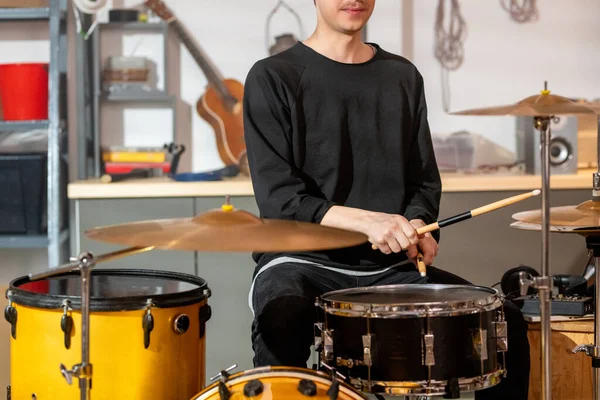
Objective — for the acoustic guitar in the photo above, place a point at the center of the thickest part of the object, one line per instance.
(221, 104)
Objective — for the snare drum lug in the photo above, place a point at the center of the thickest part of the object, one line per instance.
(480, 344)
(204, 315)
(318, 332)
(10, 314)
(328, 345)
(501, 335)
(368, 347)
(429, 354)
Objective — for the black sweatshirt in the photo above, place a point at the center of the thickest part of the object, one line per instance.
(321, 133)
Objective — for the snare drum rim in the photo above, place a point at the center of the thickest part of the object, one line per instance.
(128, 303)
(423, 309)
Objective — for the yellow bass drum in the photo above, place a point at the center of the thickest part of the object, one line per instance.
(273, 383)
(147, 335)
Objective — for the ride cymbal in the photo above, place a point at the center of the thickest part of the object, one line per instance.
(584, 215)
(528, 226)
(541, 105)
(229, 230)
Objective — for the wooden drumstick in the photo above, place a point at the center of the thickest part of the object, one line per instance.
(475, 212)
(421, 265)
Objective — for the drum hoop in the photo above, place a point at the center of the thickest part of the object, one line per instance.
(423, 309)
(425, 388)
(126, 303)
(277, 371)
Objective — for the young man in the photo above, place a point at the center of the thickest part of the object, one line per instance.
(337, 134)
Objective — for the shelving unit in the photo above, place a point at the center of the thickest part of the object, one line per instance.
(56, 239)
(89, 147)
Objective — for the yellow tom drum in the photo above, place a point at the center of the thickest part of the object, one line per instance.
(147, 335)
(273, 383)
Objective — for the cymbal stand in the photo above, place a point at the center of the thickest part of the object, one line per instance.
(543, 283)
(84, 263)
(593, 244)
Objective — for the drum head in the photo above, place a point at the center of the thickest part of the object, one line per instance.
(112, 290)
(412, 299)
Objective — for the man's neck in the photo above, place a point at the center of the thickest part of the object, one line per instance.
(340, 47)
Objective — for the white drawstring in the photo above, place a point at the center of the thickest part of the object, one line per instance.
(92, 7)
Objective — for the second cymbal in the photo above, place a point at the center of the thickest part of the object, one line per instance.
(227, 230)
(543, 104)
(586, 214)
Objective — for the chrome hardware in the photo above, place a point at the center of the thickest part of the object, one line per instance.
(480, 344)
(328, 344)
(367, 353)
(501, 335)
(429, 356)
(331, 369)
(148, 323)
(223, 374)
(318, 332)
(589, 350)
(539, 282)
(78, 372)
(181, 323)
(348, 363)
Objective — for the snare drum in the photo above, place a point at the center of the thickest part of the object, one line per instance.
(415, 339)
(131, 359)
(287, 383)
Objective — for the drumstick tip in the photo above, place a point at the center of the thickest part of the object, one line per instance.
(536, 192)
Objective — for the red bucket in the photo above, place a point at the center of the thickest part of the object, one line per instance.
(24, 91)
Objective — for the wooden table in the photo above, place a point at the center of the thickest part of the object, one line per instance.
(571, 373)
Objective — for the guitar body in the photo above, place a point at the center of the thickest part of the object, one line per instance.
(221, 105)
(227, 124)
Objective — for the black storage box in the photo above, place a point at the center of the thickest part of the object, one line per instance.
(23, 194)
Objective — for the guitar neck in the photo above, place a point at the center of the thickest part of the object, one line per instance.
(212, 73)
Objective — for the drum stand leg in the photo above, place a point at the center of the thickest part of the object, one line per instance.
(543, 283)
(85, 263)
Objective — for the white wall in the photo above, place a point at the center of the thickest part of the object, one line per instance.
(504, 61)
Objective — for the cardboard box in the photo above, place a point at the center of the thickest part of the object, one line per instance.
(24, 3)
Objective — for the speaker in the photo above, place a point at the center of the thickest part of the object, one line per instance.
(563, 144)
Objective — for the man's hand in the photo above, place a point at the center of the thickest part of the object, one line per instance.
(426, 245)
(390, 233)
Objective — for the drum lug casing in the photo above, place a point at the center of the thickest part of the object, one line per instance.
(429, 356)
(10, 314)
(323, 341)
(148, 323)
(479, 340)
(501, 335)
(204, 315)
(368, 347)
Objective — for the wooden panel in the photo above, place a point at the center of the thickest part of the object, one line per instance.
(571, 373)
(107, 212)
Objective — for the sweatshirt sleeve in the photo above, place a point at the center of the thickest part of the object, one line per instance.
(424, 186)
(281, 190)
